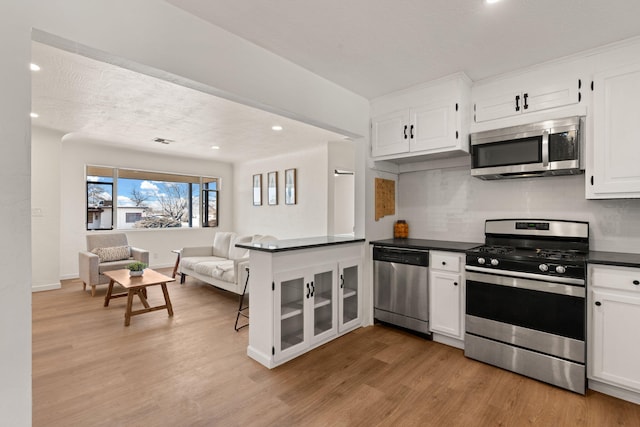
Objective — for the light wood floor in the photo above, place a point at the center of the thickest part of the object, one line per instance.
(192, 370)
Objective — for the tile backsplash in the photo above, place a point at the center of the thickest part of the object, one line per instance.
(448, 204)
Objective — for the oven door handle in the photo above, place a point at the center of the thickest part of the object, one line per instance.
(522, 283)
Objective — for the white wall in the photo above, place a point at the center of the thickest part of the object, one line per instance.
(307, 218)
(340, 203)
(79, 151)
(15, 224)
(45, 208)
(449, 204)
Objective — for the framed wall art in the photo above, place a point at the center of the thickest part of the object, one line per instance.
(290, 187)
(257, 189)
(272, 188)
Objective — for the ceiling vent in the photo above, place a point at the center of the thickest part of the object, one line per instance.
(163, 140)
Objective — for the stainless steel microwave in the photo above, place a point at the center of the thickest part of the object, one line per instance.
(552, 147)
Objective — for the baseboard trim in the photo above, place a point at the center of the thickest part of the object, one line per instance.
(614, 391)
(443, 339)
(41, 288)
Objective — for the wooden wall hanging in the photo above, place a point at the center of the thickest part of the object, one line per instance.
(385, 198)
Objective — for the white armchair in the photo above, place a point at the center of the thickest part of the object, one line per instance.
(106, 252)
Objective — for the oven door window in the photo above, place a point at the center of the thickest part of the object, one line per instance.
(563, 146)
(542, 311)
(505, 153)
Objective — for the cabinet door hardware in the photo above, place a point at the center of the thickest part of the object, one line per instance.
(526, 104)
(591, 179)
(308, 291)
(456, 134)
(592, 85)
(411, 132)
(456, 106)
(517, 102)
(579, 84)
(598, 303)
(455, 283)
(579, 96)
(405, 131)
(273, 286)
(341, 281)
(636, 282)
(313, 289)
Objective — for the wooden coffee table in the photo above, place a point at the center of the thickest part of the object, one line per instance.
(138, 286)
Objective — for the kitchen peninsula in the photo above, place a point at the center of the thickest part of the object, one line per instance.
(303, 293)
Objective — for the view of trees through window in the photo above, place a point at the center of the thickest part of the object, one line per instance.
(149, 199)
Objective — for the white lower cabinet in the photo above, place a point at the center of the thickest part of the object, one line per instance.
(446, 296)
(614, 336)
(349, 294)
(295, 309)
(304, 308)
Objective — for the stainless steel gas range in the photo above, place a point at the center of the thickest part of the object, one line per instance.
(525, 299)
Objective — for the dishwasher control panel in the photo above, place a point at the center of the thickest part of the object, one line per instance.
(401, 256)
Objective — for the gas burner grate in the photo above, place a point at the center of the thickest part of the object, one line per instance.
(562, 254)
(496, 250)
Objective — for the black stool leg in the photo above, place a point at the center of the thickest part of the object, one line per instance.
(241, 309)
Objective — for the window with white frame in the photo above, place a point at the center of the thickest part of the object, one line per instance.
(145, 199)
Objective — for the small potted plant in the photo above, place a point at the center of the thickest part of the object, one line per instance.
(136, 268)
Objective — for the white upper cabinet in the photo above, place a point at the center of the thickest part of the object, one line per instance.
(616, 134)
(542, 88)
(390, 133)
(422, 122)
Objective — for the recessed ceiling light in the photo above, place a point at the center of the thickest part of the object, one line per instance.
(34, 67)
(34, 115)
(276, 128)
(491, 1)
(215, 147)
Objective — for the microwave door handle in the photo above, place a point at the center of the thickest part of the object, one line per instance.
(545, 148)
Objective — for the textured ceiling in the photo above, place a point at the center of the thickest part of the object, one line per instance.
(82, 96)
(371, 47)
(374, 47)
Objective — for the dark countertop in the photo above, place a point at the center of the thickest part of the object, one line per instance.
(437, 245)
(614, 258)
(296, 244)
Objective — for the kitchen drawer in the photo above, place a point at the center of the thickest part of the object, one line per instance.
(614, 277)
(445, 261)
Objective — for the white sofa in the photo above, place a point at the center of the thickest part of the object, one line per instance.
(221, 264)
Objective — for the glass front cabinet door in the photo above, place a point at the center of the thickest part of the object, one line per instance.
(305, 308)
(350, 285)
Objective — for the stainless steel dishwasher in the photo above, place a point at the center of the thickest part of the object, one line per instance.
(400, 287)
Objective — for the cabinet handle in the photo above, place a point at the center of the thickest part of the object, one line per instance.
(313, 289)
(455, 283)
(444, 263)
(636, 282)
(341, 281)
(526, 104)
(411, 132)
(405, 131)
(517, 102)
(598, 303)
(308, 291)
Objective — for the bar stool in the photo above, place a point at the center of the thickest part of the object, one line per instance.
(241, 309)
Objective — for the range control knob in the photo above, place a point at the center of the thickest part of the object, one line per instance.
(560, 269)
(494, 262)
(543, 267)
(481, 261)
